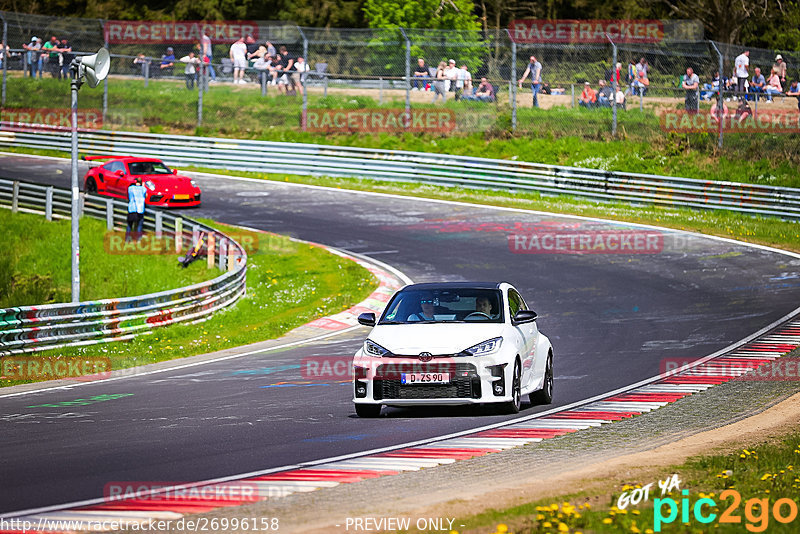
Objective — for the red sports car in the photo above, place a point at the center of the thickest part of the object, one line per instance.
(165, 187)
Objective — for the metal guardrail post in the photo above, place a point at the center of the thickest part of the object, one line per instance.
(613, 86)
(195, 235)
(408, 72)
(212, 238)
(159, 224)
(15, 197)
(513, 81)
(109, 214)
(48, 204)
(178, 234)
(223, 258)
(231, 257)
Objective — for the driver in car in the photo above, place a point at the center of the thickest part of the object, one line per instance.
(482, 305)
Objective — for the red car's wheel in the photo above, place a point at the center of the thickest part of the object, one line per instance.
(91, 186)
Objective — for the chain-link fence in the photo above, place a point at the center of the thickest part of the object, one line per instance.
(396, 80)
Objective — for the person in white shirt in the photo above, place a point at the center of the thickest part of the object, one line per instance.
(450, 75)
(238, 55)
(298, 76)
(463, 82)
(741, 64)
(190, 72)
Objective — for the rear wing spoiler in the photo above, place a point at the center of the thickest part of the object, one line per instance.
(92, 158)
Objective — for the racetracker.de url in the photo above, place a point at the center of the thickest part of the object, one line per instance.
(200, 524)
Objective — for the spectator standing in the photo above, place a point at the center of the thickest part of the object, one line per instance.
(265, 66)
(439, 84)
(641, 68)
(773, 85)
(299, 74)
(52, 51)
(534, 68)
(136, 202)
(33, 56)
(632, 77)
(285, 69)
(208, 53)
(741, 64)
(757, 84)
(451, 75)
(463, 82)
(780, 67)
(420, 71)
(605, 95)
(691, 83)
(238, 55)
(616, 74)
(190, 71)
(794, 90)
(167, 63)
(66, 57)
(588, 96)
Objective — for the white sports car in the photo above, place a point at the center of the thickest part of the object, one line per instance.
(452, 343)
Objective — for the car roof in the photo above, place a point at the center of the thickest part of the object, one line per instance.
(429, 286)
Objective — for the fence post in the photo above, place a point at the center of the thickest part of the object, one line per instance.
(263, 78)
(200, 100)
(178, 235)
(195, 235)
(408, 73)
(304, 114)
(159, 224)
(380, 91)
(641, 100)
(572, 90)
(613, 86)
(105, 81)
(109, 214)
(15, 197)
(5, 60)
(223, 248)
(48, 204)
(212, 237)
(719, 100)
(231, 257)
(513, 82)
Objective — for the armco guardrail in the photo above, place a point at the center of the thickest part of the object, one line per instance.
(324, 160)
(33, 328)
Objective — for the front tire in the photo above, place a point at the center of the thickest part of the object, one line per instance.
(545, 395)
(516, 385)
(368, 411)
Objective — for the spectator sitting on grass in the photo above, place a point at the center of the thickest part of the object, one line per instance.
(141, 63)
(773, 85)
(641, 84)
(620, 98)
(167, 62)
(710, 89)
(421, 71)
(743, 112)
(794, 90)
(484, 92)
(588, 97)
(757, 84)
(604, 95)
(715, 110)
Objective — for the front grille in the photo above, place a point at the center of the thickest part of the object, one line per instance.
(464, 385)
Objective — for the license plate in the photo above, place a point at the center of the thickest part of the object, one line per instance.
(425, 378)
(180, 197)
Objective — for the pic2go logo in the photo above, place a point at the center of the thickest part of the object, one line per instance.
(756, 511)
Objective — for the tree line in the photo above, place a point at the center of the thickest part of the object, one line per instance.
(773, 24)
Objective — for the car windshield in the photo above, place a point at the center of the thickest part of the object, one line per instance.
(451, 305)
(148, 167)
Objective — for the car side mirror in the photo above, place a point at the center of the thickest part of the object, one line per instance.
(525, 316)
(367, 319)
(174, 171)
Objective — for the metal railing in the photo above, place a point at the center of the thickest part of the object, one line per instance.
(34, 328)
(441, 169)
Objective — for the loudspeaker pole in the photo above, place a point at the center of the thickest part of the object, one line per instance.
(75, 224)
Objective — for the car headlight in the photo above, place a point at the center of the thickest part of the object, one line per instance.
(150, 185)
(489, 346)
(194, 184)
(373, 349)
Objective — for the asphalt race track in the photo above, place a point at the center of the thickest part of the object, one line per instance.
(613, 318)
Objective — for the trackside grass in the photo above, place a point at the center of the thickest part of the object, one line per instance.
(559, 135)
(749, 490)
(35, 267)
(288, 284)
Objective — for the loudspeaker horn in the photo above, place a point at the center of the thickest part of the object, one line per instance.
(95, 67)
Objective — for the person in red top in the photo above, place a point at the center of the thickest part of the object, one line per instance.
(588, 98)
